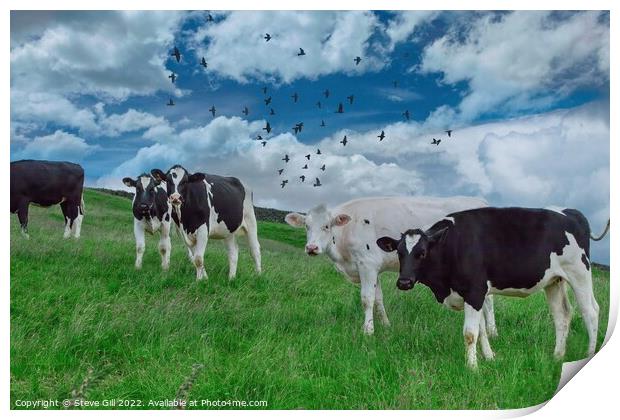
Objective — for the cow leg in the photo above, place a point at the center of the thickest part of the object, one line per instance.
(164, 245)
(379, 304)
(138, 232)
(198, 252)
(77, 223)
(22, 215)
(233, 255)
(582, 286)
(471, 328)
(485, 346)
(368, 280)
(489, 316)
(560, 308)
(251, 231)
(64, 206)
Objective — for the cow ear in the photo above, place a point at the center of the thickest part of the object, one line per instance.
(198, 176)
(129, 182)
(341, 220)
(295, 219)
(387, 244)
(158, 175)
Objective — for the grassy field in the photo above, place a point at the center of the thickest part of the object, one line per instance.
(291, 337)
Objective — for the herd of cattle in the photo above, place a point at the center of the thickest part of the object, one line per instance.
(469, 253)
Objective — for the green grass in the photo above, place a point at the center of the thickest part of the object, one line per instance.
(291, 336)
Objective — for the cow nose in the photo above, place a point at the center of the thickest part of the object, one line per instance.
(143, 206)
(312, 249)
(405, 283)
(175, 198)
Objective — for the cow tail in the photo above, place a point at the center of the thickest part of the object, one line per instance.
(602, 235)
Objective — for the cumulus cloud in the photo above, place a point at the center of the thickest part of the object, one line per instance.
(132, 120)
(403, 25)
(57, 146)
(521, 60)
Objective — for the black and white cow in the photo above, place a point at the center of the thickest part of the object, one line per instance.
(151, 213)
(47, 183)
(211, 206)
(507, 251)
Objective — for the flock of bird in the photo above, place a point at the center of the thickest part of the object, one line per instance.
(297, 128)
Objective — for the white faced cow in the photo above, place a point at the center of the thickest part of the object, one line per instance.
(348, 233)
(151, 213)
(472, 254)
(211, 206)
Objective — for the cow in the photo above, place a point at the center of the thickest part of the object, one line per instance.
(512, 251)
(46, 183)
(211, 206)
(151, 213)
(347, 234)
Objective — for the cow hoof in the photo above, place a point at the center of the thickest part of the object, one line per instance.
(165, 267)
(369, 330)
(386, 322)
(138, 267)
(492, 332)
(558, 355)
(489, 356)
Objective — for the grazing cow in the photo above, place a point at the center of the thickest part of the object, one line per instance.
(506, 251)
(46, 183)
(211, 206)
(347, 234)
(151, 212)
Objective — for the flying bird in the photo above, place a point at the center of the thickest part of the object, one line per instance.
(301, 52)
(406, 114)
(267, 101)
(212, 110)
(322, 167)
(357, 60)
(350, 98)
(326, 93)
(435, 141)
(209, 18)
(264, 90)
(284, 183)
(296, 129)
(340, 109)
(203, 62)
(381, 136)
(272, 112)
(267, 37)
(318, 151)
(395, 83)
(170, 102)
(176, 54)
(172, 77)
(305, 166)
(449, 132)
(322, 123)
(344, 141)
(308, 157)
(318, 104)
(267, 127)
(285, 158)
(300, 125)
(245, 111)
(303, 178)
(280, 171)
(264, 143)
(317, 183)
(259, 137)
(295, 96)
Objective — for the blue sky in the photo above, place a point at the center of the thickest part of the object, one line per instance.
(526, 93)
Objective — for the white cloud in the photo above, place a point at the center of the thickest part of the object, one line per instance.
(405, 23)
(521, 60)
(132, 120)
(59, 145)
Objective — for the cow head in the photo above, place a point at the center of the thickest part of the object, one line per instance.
(144, 199)
(414, 248)
(177, 179)
(319, 223)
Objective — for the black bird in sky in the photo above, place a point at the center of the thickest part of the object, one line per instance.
(449, 132)
(209, 18)
(280, 171)
(318, 151)
(322, 123)
(381, 136)
(203, 62)
(295, 96)
(259, 137)
(340, 109)
(300, 126)
(264, 143)
(395, 83)
(303, 178)
(305, 166)
(284, 183)
(176, 54)
(357, 60)
(435, 141)
(318, 104)
(267, 37)
(245, 111)
(267, 127)
(301, 52)
(326, 93)
(317, 183)
(322, 167)
(406, 114)
(272, 112)
(285, 158)
(264, 90)
(344, 141)
(267, 101)
(170, 102)
(172, 77)
(296, 129)
(212, 110)
(350, 98)
(308, 156)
